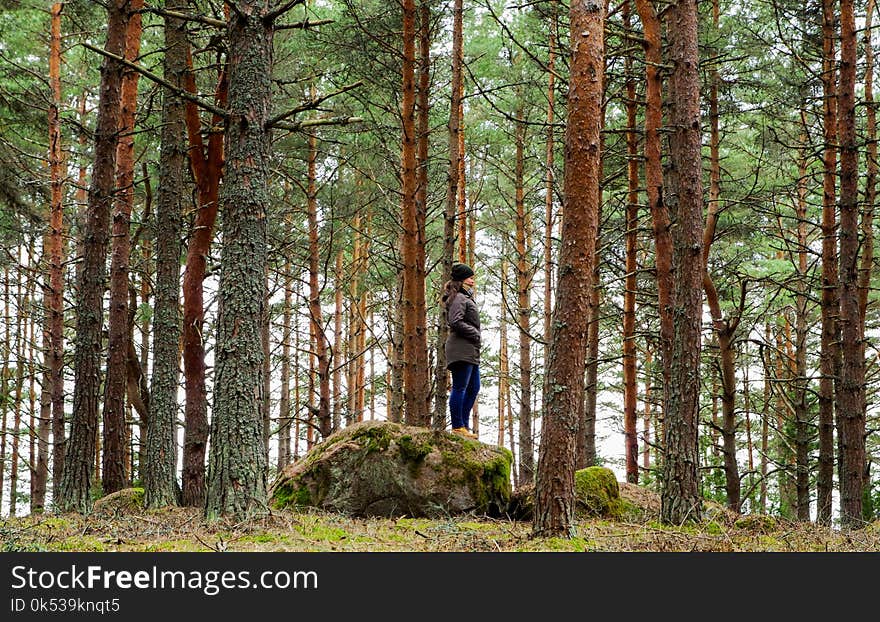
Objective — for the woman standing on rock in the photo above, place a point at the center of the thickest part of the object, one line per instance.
(462, 346)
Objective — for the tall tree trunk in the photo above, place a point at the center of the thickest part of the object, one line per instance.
(663, 251)
(415, 348)
(297, 348)
(5, 371)
(829, 357)
(338, 313)
(554, 488)
(360, 379)
(315, 313)
(8, 354)
(523, 305)
(284, 410)
(236, 482)
(146, 252)
(585, 448)
(206, 163)
(37, 447)
(40, 469)
(266, 402)
(441, 374)
(680, 498)
(630, 387)
(21, 341)
(115, 384)
(355, 325)
(74, 491)
(765, 427)
(851, 390)
(867, 223)
(461, 199)
(801, 381)
(53, 300)
(747, 419)
(397, 358)
(785, 437)
(586, 441)
(160, 468)
(724, 328)
(423, 134)
(503, 363)
(646, 417)
(549, 180)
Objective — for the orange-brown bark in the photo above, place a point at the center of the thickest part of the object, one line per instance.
(206, 163)
(415, 349)
(554, 487)
(115, 473)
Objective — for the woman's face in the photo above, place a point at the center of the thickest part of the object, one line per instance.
(469, 281)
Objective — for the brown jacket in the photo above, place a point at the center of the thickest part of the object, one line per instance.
(463, 318)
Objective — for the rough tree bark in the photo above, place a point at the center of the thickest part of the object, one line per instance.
(206, 164)
(803, 438)
(53, 300)
(441, 374)
(322, 358)
(415, 346)
(113, 467)
(630, 386)
(554, 488)
(680, 497)
(236, 483)
(829, 356)
(851, 389)
(79, 458)
(160, 469)
(523, 302)
(724, 328)
(652, 44)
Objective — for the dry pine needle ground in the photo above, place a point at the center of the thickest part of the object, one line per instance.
(125, 527)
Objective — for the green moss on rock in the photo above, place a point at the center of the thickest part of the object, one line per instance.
(598, 493)
(385, 468)
(291, 494)
(756, 523)
(125, 500)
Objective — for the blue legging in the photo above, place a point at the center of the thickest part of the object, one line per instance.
(465, 386)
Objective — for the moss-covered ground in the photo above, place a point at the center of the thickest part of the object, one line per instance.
(184, 529)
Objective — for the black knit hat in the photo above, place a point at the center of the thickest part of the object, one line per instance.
(461, 271)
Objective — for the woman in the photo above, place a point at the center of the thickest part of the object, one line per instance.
(462, 346)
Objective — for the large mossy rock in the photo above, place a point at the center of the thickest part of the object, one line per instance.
(598, 492)
(127, 500)
(380, 468)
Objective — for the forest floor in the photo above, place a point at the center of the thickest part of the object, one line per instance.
(123, 526)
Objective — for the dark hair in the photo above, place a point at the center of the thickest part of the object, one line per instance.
(450, 290)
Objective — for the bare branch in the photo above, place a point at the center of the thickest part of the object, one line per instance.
(280, 10)
(208, 21)
(304, 24)
(295, 127)
(273, 122)
(160, 81)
